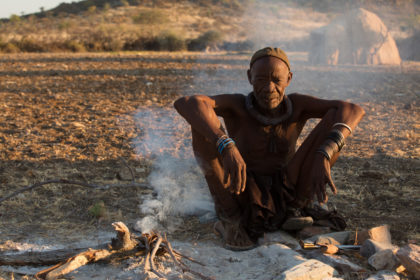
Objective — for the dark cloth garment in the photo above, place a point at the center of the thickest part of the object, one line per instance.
(268, 198)
(263, 206)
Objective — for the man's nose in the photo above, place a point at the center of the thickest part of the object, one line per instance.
(271, 87)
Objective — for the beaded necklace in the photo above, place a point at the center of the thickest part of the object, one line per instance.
(272, 122)
(267, 120)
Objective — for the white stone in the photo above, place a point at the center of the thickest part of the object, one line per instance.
(309, 270)
(341, 263)
(279, 237)
(384, 259)
(409, 256)
(384, 275)
(279, 253)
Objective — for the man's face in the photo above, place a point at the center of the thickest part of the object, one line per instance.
(269, 77)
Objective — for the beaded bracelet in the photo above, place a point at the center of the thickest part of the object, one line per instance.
(220, 139)
(223, 142)
(343, 124)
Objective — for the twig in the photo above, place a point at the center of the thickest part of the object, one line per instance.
(133, 177)
(65, 181)
(188, 258)
(152, 256)
(45, 271)
(183, 266)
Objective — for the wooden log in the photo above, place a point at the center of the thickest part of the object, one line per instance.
(42, 257)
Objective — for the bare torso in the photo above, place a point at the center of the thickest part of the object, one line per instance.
(265, 149)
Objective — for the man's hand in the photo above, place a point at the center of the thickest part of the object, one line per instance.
(321, 175)
(234, 169)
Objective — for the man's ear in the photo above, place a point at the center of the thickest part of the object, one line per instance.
(289, 77)
(249, 76)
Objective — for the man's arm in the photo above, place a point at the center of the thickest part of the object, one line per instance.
(202, 112)
(345, 113)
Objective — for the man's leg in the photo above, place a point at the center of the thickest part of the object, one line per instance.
(303, 160)
(228, 205)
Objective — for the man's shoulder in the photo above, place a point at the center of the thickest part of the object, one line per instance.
(233, 103)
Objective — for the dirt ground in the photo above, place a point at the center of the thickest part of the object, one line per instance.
(73, 116)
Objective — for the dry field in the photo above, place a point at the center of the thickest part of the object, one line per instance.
(73, 116)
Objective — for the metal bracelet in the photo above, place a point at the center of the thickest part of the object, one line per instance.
(322, 151)
(343, 124)
(338, 137)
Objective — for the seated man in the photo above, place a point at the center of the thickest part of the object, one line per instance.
(259, 182)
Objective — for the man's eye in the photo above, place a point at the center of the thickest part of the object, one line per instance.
(262, 79)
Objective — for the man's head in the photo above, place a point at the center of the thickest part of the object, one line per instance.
(269, 75)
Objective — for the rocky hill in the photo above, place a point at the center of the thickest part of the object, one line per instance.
(116, 25)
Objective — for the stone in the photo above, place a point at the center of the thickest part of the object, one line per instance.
(124, 174)
(371, 247)
(280, 254)
(309, 270)
(409, 256)
(384, 259)
(310, 231)
(380, 234)
(335, 238)
(384, 275)
(297, 223)
(357, 37)
(341, 263)
(279, 236)
(329, 249)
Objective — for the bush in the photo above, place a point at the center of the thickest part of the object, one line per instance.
(64, 25)
(104, 38)
(14, 19)
(29, 45)
(91, 10)
(171, 42)
(163, 42)
(74, 46)
(9, 48)
(246, 45)
(211, 39)
(150, 17)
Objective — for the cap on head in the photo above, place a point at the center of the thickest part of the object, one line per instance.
(269, 51)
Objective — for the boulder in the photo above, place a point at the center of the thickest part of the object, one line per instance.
(409, 256)
(341, 263)
(357, 37)
(384, 275)
(371, 247)
(379, 234)
(384, 259)
(309, 270)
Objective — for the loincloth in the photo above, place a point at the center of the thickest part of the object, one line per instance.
(268, 198)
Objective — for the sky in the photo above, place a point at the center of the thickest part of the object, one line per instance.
(9, 7)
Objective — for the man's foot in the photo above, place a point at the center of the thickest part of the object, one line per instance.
(234, 236)
(295, 220)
